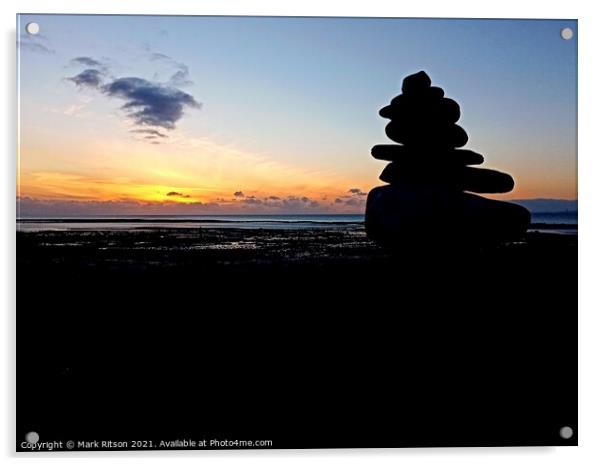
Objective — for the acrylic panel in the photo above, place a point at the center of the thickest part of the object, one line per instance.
(294, 232)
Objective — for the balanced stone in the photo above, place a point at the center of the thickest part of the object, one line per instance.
(416, 83)
(484, 180)
(460, 178)
(431, 136)
(422, 108)
(416, 157)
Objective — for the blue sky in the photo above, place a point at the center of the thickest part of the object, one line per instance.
(300, 95)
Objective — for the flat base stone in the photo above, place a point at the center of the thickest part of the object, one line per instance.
(396, 213)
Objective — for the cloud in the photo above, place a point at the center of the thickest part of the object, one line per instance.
(271, 203)
(284, 204)
(357, 192)
(150, 104)
(177, 194)
(181, 77)
(150, 133)
(42, 208)
(87, 61)
(37, 44)
(252, 200)
(87, 78)
(73, 110)
(146, 103)
(35, 47)
(154, 56)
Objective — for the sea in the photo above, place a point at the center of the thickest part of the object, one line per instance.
(557, 222)
(128, 222)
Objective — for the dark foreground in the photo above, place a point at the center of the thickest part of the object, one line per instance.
(305, 338)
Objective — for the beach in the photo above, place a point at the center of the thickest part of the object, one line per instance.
(210, 331)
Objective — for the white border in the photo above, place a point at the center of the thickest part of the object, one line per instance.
(590, 172)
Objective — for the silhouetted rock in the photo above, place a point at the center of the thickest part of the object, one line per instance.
(428, 176)
(416, 83)
(460, 178)
(415, 157)
(397, 212)
(447, 136)
(437, 92)
(427, 108)
(483, 180)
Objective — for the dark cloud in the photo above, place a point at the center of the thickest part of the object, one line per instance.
(338, 201)
(87, 78)
(87, 61)
(272, 198)
(150, 104)
(239, 194)
(357, 192)
(146, 103)
(177, 194)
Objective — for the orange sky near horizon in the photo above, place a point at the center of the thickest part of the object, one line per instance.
(199, 170)
(183, 171)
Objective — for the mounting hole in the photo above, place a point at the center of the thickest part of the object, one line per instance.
(32, 28)
(32, 437)
(566, 33)
(566, 432)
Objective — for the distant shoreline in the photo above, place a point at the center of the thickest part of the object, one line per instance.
(201, 221)
(175, 220)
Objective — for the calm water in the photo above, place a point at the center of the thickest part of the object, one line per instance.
(241, 221)
(554, 218)
(191, 221)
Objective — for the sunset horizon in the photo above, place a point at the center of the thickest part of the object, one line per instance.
(174, 120)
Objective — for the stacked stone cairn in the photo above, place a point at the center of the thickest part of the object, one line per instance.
(429, 176)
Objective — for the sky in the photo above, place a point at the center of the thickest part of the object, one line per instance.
(193, 115)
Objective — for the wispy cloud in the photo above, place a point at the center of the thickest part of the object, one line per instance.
(86, 61)
(149, 133)
(36, 47)
(181, 76)
(38, 43)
